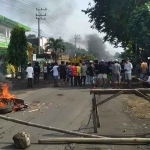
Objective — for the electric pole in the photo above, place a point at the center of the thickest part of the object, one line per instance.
(76, 37)
(40, 17)
(61, 47)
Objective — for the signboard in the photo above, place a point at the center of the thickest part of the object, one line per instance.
(34, 57)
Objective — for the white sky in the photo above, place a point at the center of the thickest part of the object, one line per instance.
(72, 22)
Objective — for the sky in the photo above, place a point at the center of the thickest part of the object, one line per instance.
(64, 18)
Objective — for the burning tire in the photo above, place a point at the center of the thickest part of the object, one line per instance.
(8, 106)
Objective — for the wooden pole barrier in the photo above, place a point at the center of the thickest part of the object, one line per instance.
(120, 141)
(94, 114)
(49, 127)
(142, 95)
(110, 98)
(113, 91)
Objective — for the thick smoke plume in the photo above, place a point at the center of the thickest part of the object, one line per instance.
(57, 12)
(96, 46)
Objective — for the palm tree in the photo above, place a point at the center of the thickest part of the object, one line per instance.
(57, 47)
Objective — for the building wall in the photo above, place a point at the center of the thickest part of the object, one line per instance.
(4, 36)
(43, 41)
(35, 41)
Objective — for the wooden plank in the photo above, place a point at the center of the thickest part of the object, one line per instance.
(114, 91)
(108, 141)
(97, 113)
(110, 98)
(98, 118)
(94, 114)
(142, 95)
(48, 127)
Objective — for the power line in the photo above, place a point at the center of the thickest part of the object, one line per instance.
(76, 37)
(29, 11)
(39, 17)
(52, 15)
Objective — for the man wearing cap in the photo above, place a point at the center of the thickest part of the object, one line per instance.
(83, 73)
(128, 71)
(116, 70)
(91, 72)
(102, 72)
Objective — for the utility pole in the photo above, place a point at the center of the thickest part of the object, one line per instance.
(61, 47)
(40, 17)
(76, 37)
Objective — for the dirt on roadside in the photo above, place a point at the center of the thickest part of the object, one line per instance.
(124, 117)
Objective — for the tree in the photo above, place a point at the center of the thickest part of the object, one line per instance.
(17, 48)
(57, 46)
(112, 18)
(139, 26)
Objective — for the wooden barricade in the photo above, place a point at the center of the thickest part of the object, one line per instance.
(115, 92)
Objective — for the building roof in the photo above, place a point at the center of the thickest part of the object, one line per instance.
(11, 23)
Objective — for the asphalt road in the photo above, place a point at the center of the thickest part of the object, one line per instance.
(61, 108)
(66, 108)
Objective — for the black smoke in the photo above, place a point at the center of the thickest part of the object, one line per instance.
(94, 44)
(25, 12)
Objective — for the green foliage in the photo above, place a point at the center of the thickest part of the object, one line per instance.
(113, 17)
(57, 46)
(139, 26)
(17, 48)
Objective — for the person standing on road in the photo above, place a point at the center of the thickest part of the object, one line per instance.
(78, 74)
(116, 70)
(91, 72)
(49, 73)
(68, 71)
(62, 71)
(102, 72)
(83, 73)
(36, 73)
(96, 71)
(128, 72)
(74, 75)
(109, 73)
(29, 72)
(45, 72)
(55, 74)
(144, 68)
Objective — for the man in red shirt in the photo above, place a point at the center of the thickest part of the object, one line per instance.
(73, 69)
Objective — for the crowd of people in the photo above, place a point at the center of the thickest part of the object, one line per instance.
(94, 73)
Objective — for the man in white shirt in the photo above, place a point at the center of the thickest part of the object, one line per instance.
(55, 74)
(128, 71)
(29, 72)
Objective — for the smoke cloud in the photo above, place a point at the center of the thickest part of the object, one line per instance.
(57, 12)
(95, 45)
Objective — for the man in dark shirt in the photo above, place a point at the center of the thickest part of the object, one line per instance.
(36, 73)
(63, 73)
(49, 73)
(122, 70)
(96, 65)
(102, 72)
(91, 72)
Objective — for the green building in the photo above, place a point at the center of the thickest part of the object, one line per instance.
(6, 25)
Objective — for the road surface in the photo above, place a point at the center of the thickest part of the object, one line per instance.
(67, 109)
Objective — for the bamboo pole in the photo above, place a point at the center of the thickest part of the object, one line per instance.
(120, 141)
(49, 127)
(113, 91)
(141, 94)
(110, 98)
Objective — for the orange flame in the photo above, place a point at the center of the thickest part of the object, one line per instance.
(5, 94)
